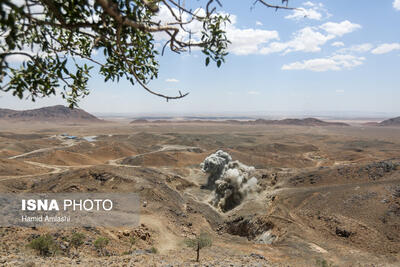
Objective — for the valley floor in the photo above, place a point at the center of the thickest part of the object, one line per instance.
(327, 196)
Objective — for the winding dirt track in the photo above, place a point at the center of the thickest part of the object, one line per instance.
(66, 145)
(114, 162)
(55, 169)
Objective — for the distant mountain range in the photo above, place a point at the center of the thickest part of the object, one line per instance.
(57, 113)
(298, 122)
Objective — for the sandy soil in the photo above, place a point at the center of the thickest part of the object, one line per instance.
(327, 195)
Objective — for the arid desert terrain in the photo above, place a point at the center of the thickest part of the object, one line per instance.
(325, 195)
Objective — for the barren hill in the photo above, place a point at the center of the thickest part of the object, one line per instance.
(391, 122)
(301, 122)
(54, 113)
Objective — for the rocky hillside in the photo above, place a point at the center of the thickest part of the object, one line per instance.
(391, 122)
(57, 113)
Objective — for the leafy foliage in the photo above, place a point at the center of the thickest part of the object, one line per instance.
(77, 240)
(62, 41)
(324, 263)
(44, 244)
(154, 250)
(101, 243)
(199, 242)
(132, 241)
(203, 240)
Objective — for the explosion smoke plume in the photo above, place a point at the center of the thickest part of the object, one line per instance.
(231, 180)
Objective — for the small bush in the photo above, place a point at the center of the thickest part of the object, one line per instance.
(132, 241)
(154, 250)
(324, 263)
(77, 240)
(101, 243)
(44, 244)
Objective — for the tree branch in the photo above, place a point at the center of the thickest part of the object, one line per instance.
(155, 93)
(275, 6)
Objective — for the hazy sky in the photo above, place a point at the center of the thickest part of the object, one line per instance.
(343, 57)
